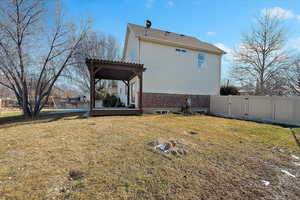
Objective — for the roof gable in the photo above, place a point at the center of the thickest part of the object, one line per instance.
(173, 39)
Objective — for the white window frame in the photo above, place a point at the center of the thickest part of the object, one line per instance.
(202, 60)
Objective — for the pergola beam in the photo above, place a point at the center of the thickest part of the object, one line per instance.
(97, 81)
(126, 68)
(97, 70)
(126, 83)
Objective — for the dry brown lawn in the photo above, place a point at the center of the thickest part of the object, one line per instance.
(110, 158)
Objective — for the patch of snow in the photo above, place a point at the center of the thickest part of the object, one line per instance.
(266, 183)
(288, 173)
(297, 164)
(174, 147)
(278, 149)
(162, 147)
(295, 157)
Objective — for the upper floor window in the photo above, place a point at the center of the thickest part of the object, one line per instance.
(200, 60)
(181, 50)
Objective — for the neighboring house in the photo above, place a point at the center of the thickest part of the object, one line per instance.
(177, 67)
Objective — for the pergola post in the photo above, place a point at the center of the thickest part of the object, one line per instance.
(92, 89)
(140, 76)
(128, 92)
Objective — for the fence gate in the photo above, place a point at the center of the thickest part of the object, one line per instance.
(246, 106)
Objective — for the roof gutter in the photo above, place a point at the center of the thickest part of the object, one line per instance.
(173, 44)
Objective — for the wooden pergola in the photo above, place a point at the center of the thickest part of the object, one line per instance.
(115, 70)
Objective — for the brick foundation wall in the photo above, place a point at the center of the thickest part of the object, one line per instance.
(162, 100)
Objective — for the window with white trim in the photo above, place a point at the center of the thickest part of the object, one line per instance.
(181, 50)
(200, 60)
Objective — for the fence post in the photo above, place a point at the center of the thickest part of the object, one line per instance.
(273, 108)
(229, 105)
(246, 106)
(211, 104)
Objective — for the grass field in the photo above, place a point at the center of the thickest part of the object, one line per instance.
(110, 158)
(17, 112)
(8, 112)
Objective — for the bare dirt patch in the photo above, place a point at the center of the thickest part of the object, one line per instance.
(173, 147)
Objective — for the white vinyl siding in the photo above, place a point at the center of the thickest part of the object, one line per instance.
(170, 71)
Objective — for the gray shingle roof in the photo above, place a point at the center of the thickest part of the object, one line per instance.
(173, 39)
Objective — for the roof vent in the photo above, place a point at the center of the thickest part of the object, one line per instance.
(148, 24)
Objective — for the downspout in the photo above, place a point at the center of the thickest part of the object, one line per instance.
(220, 74)
(140, 81)
(139, 49)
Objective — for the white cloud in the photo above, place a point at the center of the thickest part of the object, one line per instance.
(150, 3)
(210, 33)
(223, 47)
(277, 12)
(228, 57)
(170, 4)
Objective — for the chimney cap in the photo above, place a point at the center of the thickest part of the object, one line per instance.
(148, 24)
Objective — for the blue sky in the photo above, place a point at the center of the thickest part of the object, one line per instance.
(218, 22)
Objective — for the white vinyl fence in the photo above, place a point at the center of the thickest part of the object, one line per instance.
(276, 109)
(81, 106)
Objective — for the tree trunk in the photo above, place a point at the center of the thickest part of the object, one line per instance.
(261, 88)
(26, 111)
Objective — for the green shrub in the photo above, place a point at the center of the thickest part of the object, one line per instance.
(112, 101)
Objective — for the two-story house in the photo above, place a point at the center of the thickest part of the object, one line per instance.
(178, 67)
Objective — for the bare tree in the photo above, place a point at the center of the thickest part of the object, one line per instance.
(36, 47)
(261, 58)
(5, 92)
(293, 77)
(98, 46)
